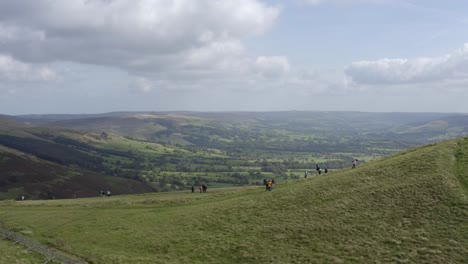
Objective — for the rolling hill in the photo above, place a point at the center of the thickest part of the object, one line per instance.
(434, 130)
(175, 150)
(321, 132)
(408, 208)
(153, 125)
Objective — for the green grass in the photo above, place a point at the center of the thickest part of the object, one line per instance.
(409, 208)
(16, 253)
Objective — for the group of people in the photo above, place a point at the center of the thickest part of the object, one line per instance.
(268, 184)
(317, 169)
(105, 193)
(202, 188)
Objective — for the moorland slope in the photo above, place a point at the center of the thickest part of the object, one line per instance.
(33, 164)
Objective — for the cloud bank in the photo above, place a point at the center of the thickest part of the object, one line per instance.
(319, 2)
(13, 70)
(154, 39)
(453, 66)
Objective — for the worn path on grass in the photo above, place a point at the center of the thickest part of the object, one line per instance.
(48, 252)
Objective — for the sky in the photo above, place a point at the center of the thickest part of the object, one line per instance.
(96, 56)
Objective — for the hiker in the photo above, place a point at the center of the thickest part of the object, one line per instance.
(270, 184)
(22, 197)
(108, 193)
(266, 184)
(204, 187)
(354, 163)
(305, 174)
(193, 189)
(326, 170)
(273, 181)
(200, 189)
(317, 168)
(320, 171)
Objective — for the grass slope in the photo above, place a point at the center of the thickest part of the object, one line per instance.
(409, 208)
(18, 254)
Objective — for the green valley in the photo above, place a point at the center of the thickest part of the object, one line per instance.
(65, 156)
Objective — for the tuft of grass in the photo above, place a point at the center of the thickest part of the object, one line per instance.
(408, 208)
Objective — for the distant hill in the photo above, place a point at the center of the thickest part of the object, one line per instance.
(46, 118)
(434, 130)
(215, 129)
(7, 122)
(293, 119)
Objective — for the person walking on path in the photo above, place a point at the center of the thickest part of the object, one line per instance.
(200, 189)
(354, 163)
(193, 189)
(270, 185)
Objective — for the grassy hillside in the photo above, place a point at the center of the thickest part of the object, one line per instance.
(409, 208)
(10, 253)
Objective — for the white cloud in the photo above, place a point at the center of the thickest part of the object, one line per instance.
(418, 70)
(272, 66)
(144, 85)
(169, 44)
(223, 55)
(14, 70)
(322, 81)
(144, 35)
(318, 2)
